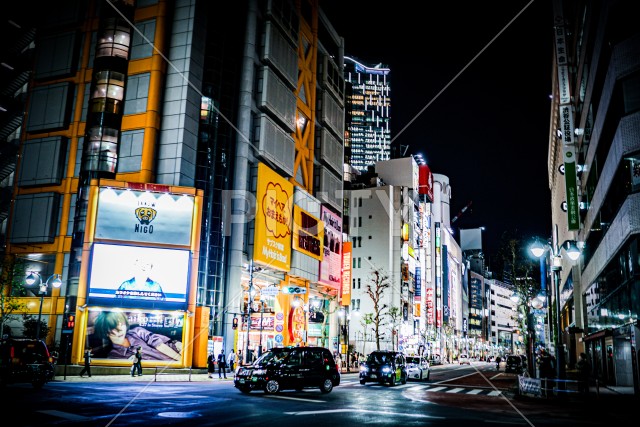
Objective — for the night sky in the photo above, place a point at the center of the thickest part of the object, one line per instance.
(488, 129)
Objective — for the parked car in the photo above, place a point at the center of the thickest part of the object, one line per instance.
(435, 359)
(514, 364)
(284, 368)
(384, 367)
(418, 368)
(463, 359)
(25, 361)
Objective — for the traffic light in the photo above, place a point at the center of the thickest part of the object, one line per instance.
(71, 321)
(294, 290)
(234, 323)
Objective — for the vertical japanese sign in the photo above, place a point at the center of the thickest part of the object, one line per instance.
(345, 289)
(274, 205)
(565, 111)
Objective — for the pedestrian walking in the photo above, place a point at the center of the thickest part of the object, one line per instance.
(222, 365)
(87, 364)
(136, 369)
(232, 361)
(239, 358)
(211, 364)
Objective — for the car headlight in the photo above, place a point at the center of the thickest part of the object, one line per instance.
(363, 369)
(386, 369)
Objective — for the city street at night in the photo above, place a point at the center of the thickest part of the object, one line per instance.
(455, 395)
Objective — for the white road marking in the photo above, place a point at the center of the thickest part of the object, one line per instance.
(495, 393)
(474, 391)
(455, 390)
(437, 389)
(65, 415)
(335, 411)
(297, 398)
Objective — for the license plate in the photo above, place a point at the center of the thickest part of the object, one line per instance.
(241, 381)
(374, 376)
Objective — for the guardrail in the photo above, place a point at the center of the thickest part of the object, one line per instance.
(550, 387)
(160, 372)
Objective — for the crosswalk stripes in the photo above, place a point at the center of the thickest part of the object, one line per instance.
(439, 389)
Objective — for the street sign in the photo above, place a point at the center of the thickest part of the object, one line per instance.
(270, 291)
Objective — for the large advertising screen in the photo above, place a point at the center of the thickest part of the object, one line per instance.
(138, 277)
(116, 334)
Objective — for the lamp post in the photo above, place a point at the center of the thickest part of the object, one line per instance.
(572, 251)
(53, 280)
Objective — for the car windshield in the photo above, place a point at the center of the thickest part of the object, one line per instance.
(273, 356)
(413, 359)
(514, 360)
(379, 358)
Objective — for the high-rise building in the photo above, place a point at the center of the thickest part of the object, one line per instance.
(368, 111)
(594, 164)
(180, 164)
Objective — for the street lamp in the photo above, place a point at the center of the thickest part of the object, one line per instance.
(573, 252)
(53, 280)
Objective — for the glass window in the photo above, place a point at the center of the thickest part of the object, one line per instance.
(141, 48)
(137, 94)
(114, 40)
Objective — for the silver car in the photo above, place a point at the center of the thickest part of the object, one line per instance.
(418, 368)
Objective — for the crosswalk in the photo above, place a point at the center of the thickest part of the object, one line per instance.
(434, 388)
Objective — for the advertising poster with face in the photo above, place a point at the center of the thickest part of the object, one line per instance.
(138, 277)
(331, 264)
(118, 334)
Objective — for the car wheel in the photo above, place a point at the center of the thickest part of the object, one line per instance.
(428, 375)
(392, 381)
(403, 380)
(327, 386)
(363, 382)
(272, 387)
(245, 390)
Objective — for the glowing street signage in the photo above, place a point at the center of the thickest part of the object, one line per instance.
(565, 112)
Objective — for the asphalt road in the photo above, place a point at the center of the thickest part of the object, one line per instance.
(454, 396)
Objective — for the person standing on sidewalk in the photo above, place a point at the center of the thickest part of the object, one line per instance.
(211, 364)
(137, 363)
(584, 371)
(232, 361)
(87, 364)
(222, 365)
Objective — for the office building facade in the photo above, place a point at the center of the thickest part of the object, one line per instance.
(202, 141)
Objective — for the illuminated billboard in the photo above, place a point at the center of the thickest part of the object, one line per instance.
(331, 265)
(308, 233)
(144, 216)
(274, 208)
(138, 277)
(116, 334)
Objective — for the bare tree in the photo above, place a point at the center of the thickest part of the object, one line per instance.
(394, 315)
(379, 283)
(366, 321)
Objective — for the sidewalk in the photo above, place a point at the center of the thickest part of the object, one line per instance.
(122, 374)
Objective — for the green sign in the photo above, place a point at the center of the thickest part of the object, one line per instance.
(573, 205)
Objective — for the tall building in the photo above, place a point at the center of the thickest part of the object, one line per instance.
(594, 158)
(368, 111)
(180, 163)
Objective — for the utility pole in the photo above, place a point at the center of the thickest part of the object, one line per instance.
(249, 297)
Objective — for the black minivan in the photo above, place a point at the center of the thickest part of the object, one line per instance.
(25, 361)
(384, 367)
(289, 368)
